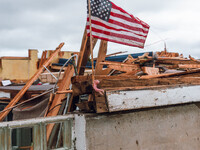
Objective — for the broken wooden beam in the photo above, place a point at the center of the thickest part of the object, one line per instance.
(150, 70)
(101, 57)
(63, 85)
(84, 53)
(100, 103)
(191, 66)
(170, 74)
(77, 79)
(30, 82)
(121, 66)
(64, 92)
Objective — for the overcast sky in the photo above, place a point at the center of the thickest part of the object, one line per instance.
(43, 24)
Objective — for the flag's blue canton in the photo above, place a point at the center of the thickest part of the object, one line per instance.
(101, 9)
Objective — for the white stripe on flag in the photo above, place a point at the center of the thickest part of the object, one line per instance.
(117, 27)
(117, 32)
(116, 11)
(128, 23)
(131, 42)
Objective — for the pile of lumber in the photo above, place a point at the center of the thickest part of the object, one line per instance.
(161, 70)
(77, 91)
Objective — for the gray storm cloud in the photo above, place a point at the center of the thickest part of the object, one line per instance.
(44, 24)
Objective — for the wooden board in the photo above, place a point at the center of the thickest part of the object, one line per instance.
(150, 70)
(100, 103)
(84, 53)
(76, 79)
(130, 100)
(101, 57)
(121, 66)
(189, 66)
(64, 85)
(43, 58)
(170, 74)
(124, 82)
(30, 82)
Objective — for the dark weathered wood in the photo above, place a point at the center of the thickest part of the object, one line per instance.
(101, 57)
(100, 103)
(86, 106)
(30, 82)
(77, 79)
(72, 103)
(83, 87)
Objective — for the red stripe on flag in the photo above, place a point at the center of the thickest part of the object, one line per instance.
(131, 20)
(127, 26)
(117, 35)
(95, 22)
(111, 40)
(122, 28)
(123, 11)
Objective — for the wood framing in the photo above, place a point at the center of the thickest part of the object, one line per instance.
(30, 82)
(121, 66)
(100, 103)
(63, 85)
(170, 74)
(101, 57)
(84, 53)
(43, 58)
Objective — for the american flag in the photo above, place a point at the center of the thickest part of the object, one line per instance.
(112, 23)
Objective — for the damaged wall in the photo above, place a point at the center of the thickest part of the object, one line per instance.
(175, 127)
(19, 68)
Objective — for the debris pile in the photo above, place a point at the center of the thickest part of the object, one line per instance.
(72, 90)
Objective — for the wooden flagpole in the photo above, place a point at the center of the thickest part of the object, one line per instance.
(91, 46)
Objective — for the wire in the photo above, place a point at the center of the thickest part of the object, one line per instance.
(75, 55)
(48, 91)
(161, 39)
(54, 107)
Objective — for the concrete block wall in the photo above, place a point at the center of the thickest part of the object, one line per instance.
(175, 128)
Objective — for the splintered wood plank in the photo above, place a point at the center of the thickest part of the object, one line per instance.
(29, 83)
(167, 60)
(85, 87)
(170, 74)
(101, 57)
(108, 83)
(64, 85)
(121, 66)
(193, 59)
(185, 66)
(77, 79)
(84, 53)
(137, 99)
(43, 58)
(100, 103)
(150, 70)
